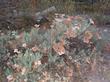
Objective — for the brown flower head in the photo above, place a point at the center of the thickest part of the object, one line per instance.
(10, 78)
(17, 67)
(70, 33)
(23, 70)
(35, 48)
(87, 36)
(69, 72)
(36, 63)
(59, 48)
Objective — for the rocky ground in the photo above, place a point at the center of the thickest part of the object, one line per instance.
(102, 72)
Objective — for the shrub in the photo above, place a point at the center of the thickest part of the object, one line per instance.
(53, 53)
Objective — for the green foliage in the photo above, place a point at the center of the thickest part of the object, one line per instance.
(4, 40)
